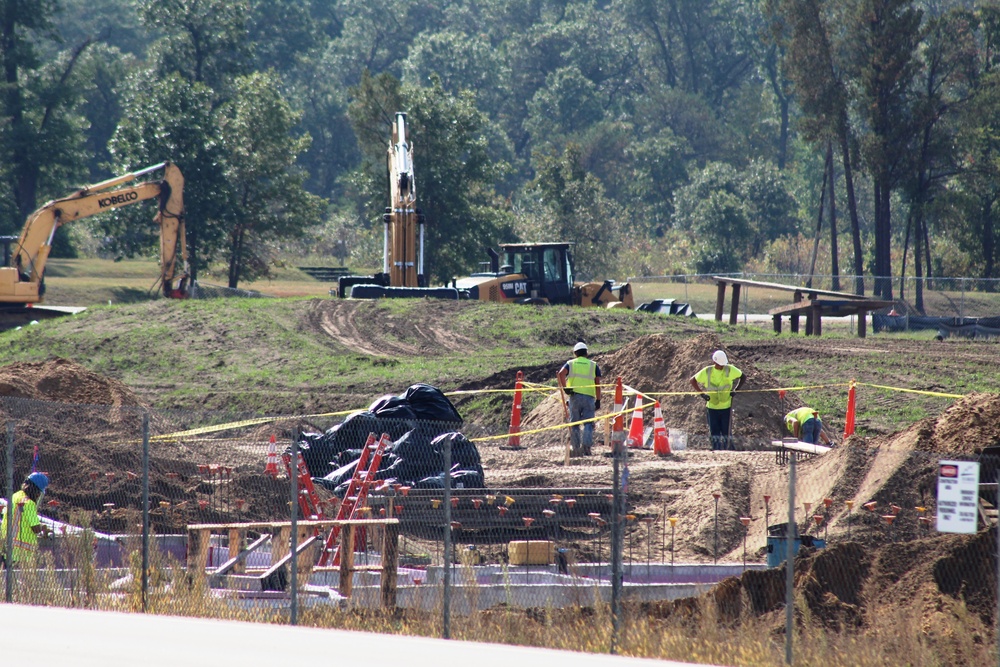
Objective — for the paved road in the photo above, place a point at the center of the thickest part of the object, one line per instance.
(82, 638)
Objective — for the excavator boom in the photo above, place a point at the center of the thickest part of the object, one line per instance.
(21, 281)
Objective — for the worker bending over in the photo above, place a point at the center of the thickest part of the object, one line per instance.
(25, 525)
(580, 379)
(804, 424)
(716, 384)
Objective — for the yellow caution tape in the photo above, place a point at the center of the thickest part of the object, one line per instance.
(529, 387)
(912, 391)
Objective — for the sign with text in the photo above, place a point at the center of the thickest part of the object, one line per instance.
(958, 496)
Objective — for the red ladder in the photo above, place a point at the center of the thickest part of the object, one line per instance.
(356, 495)
(309, 502)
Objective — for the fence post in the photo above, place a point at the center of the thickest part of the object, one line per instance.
(294, 508)
(8, 547)
(446, 564)
(790, 562)
(616, 547)
(145, 512)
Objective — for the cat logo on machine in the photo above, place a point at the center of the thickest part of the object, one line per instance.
(118, 200)
(515, 288)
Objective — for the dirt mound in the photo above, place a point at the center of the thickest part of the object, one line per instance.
(850, 585)
(63, 381)
(661, 367)
(969, 424)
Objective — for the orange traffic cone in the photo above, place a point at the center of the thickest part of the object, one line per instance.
(272, 459)
(849, 421)
(661, 444)
(635, 430)
(618, 424)
(514, 439)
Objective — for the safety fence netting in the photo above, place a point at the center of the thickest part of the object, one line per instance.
(313, 518)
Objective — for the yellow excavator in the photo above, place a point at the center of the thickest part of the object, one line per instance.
(22, 277)
(537, 273)
(533, 273)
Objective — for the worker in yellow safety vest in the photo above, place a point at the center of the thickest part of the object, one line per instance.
(804, 423)
(580, 379)
(22, 520)
(716, 384)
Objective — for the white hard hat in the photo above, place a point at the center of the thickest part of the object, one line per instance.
(581, 346)
(720, 358)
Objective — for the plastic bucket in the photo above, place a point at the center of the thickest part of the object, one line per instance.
(678, 439)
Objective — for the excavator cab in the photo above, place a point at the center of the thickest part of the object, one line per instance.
(547, 267)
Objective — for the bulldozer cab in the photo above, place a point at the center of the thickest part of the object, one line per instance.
(547, 266)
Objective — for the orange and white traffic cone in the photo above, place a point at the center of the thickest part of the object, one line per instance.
(272, 459)
(635, 438)
(514, 438)
(661, 444)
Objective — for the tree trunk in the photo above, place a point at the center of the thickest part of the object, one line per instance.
(989, 243)
(852, 209)
(819, 225)
(918, 264)
(236, 258)
(834, 262)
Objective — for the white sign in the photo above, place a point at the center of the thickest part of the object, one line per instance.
(958, 496)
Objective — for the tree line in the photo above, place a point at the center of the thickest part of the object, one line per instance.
(794, 136)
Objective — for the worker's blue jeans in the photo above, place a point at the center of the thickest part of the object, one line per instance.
(581, 407)
(810, 430)
(718, 427)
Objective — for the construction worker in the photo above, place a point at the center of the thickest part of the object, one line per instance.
(804, 423)
(25, 525)
(720, 380)
(580, 379)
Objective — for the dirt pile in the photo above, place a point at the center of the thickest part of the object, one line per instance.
(661, 368)
(968, 425)
(63, 381)
(850, 585)
(86, 429)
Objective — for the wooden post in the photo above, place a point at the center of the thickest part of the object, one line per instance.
(817, 318)
(280, 542)
(777, 324)
(390, 561)
(346, 559)
(734, 307)
(197, 556)
(306, 560)
(862, 324)
(793, 319)
(720, 300)
(235, 544)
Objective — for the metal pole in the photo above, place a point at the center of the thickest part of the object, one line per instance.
(716, 548)
(8, 548)
(961, 309)
(294, 494)
(996, 503)
(446, 565)
(616, 549)
(145, 512)
(790, 563)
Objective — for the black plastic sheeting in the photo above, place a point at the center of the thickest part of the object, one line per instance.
(967, 327)
(379, 292)
(418, 462)
(418, 420)
(667, 307)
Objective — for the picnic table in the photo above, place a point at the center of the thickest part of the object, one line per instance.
(813, 303)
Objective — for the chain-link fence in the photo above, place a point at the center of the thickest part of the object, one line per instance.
(208, 514)
(952, 297)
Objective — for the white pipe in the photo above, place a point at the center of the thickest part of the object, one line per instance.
(420, 261)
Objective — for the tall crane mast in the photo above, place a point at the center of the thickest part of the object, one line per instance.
(403, 241)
